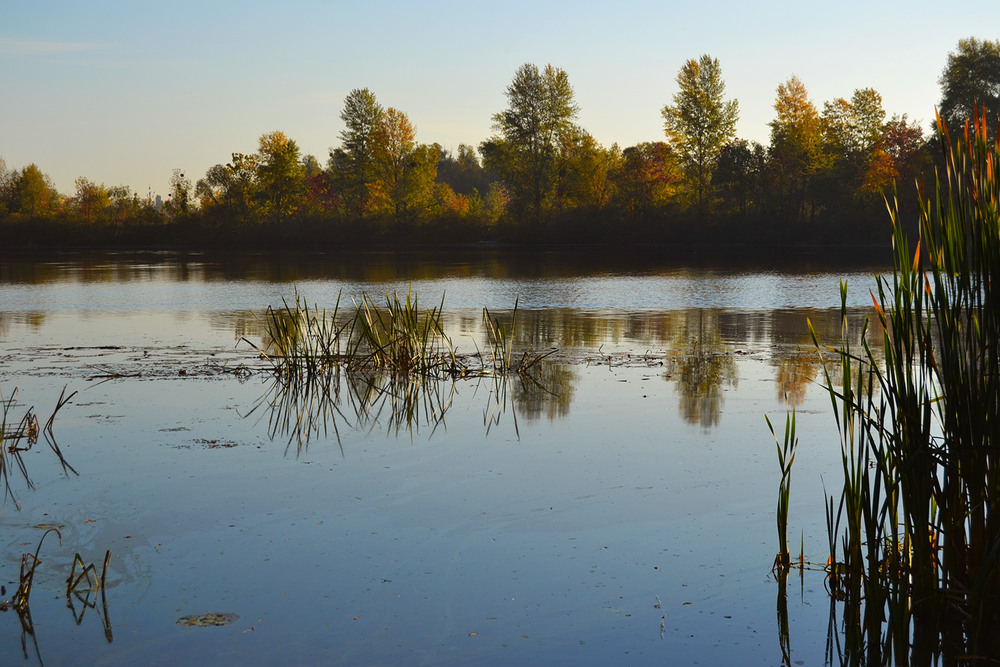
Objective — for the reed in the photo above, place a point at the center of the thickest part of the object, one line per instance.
(27, 576)
(400, 338)
(21, 437)
(918, 520)
(500, 339)
(786, 457)
(304, 341)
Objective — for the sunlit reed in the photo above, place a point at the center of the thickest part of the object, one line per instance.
(915, 535)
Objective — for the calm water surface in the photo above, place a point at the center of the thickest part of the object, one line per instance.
(619, 509)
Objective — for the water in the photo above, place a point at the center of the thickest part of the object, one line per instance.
(620, 510)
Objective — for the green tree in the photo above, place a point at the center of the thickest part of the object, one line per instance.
(7, 177)
(462, 171)
(541, 109)
(33, 193)
(852, 155)
(739, 175)
(700, 122)
(231, 189)
(179, 201)
(971, 77)
(280, 176)
(352, 163)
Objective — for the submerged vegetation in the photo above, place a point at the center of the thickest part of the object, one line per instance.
(915, 534)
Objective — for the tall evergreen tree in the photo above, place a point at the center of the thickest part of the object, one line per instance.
(353, 161)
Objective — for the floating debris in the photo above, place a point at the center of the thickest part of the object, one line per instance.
(207, 620)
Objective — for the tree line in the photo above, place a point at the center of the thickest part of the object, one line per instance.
(540, 176)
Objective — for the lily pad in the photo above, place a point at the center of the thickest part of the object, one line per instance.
(207, 620)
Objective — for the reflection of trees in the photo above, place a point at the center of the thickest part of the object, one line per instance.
(548, 390)
(34, 319)
(795, 372)
(703, 367)
(797, 361)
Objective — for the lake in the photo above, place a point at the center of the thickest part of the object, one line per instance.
(615, 507)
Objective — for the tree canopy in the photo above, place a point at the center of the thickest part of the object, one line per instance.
(700, 122)
(971, 77)
(540, 110)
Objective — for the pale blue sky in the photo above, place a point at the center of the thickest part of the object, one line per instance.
(124, 91)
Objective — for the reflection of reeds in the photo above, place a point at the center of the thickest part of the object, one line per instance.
(918, 519)
(14, 440)
(79, 586)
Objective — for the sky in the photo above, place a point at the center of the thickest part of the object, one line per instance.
(124, 92)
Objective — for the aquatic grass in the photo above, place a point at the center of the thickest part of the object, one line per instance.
(27, 576)
(303, 342)
(400, 338)
(915, 535)
(19, 438)
(74, 580)
(390, 365)
(500, 339)
(786, 457)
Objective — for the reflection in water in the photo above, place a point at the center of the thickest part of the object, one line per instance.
(703, 367)
(549, 391)
(784, 640)
(701, 347)
(794, 375)
(378, 266)
(303, 411)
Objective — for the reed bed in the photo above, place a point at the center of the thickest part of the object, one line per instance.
(915, 534)
(387, 364)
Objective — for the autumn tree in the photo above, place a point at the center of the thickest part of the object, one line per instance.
(403, 171)
(583, 172)
(646, 179)
(279, 181)
(541, 109)
(905, 145)
(32, 193)
(91, 199)
(971, 77)
(796, 154)
(700, 122)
